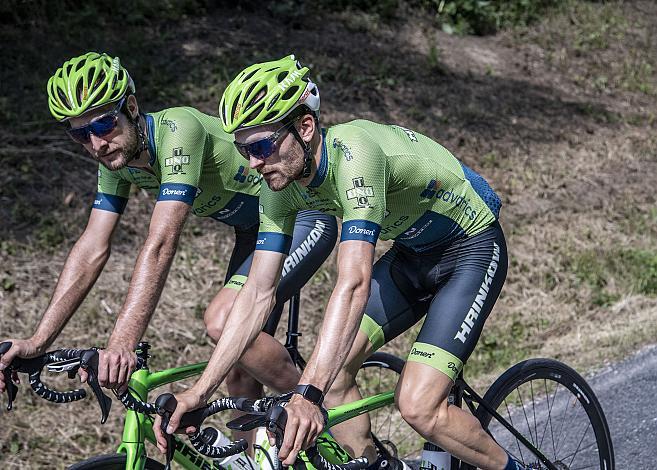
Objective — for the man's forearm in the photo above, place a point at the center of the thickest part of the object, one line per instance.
(341, 321)
(83, 265)
(244, 323)
(146, 284)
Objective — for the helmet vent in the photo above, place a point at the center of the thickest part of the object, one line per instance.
(248, 93)
(272, 102)
(281, 76)
(249, 75)
(63, 97)
(269, 116)
(290, 92)
(100, 81)
(258, 110)
(233, 111)
(68, 69)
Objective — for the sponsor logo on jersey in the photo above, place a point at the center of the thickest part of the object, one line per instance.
(174, 192)
(169, 123)
(304, 249)
(409, 133)
(242, 176)
(177, 161)
(214, 200)
(473, 314)
(360, 193)
(434, 190)
(289, 80)
(228, 212)
(361, 231)
(397, 223)
(345, 150)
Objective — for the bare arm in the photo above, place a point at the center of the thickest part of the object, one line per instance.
(81, 270)
(150, 273)
(343, 314)
(339, 328)
(245, 320)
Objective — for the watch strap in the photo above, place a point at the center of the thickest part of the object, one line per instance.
(310, 393)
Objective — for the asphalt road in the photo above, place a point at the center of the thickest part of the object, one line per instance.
(628, 394)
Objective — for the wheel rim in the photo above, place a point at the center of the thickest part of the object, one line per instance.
(392, 434)
(556, 416)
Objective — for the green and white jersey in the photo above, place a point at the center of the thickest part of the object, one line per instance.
(192, 160)
(385, 182)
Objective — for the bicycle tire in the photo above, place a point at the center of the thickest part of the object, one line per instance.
(392, 435)
(506, 397)
(112, 462)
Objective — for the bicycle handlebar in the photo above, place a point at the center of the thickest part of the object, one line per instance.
(267, 412)
(69, 360)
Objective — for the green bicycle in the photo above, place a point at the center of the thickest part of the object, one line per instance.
(540, 410)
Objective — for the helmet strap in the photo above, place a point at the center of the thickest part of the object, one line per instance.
(142, 137)
(307, 154)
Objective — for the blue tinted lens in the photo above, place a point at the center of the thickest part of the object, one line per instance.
(100, 128)
(103, 125)
(261, 149)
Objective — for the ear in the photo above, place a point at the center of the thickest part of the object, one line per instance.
(133, 107)
(307, 127)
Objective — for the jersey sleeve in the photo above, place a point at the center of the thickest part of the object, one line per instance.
(277, 217)
(182, 142)
(113, 191)
(361, 177)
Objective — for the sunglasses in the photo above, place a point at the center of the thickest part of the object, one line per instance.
(99, 127)
(263, 148)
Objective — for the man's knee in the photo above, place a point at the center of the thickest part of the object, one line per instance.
(239, 382)
(425, 414)
(215, 319)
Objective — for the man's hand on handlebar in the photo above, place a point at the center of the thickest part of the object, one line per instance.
(187, 401)
(24, 348)
(115, 364)
(305, 423)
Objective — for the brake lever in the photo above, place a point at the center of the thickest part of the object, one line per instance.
(70, 366)
(276, 422)
(12, 389)
(89, 362)
(166, 405)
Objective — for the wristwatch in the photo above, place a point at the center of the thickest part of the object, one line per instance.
(310, 393)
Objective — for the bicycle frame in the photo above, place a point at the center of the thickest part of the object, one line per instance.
(137, 428)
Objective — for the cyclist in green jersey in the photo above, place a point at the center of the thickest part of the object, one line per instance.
(190, 164)
(447, 264)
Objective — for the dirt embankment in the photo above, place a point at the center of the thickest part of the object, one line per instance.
(559, 117)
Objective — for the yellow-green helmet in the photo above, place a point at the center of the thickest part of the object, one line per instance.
(266, 93)
(87, 82)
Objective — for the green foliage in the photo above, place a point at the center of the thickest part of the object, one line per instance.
(622, 271)
(487, 16)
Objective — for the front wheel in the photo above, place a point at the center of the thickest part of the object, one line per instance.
(112, 462)
(392, 435)
(554, 408)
